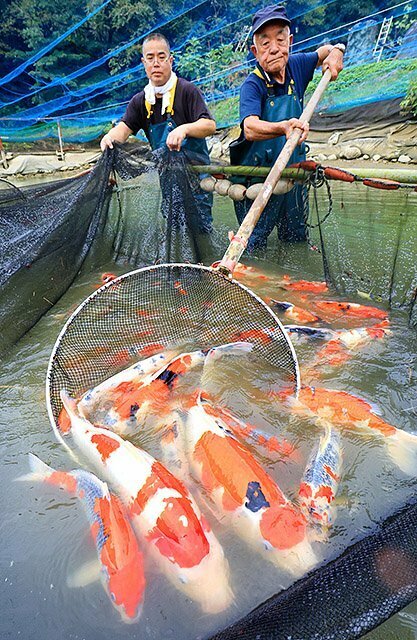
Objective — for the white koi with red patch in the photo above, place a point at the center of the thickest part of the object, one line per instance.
(124, 405)
(93, 399)
(291, 311)
(321, 478)
(120, 558)
(163, 512)
(244, 493)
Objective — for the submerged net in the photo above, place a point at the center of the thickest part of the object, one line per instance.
(372, 580)
(369, 250)
(117, 212)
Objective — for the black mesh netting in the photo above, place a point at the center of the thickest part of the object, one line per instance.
(368, 247)
(47, 231)
(351, 595)
(166, 306)
(119, 211)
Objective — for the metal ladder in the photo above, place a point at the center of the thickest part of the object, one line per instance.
(382, 38)
(243, 38)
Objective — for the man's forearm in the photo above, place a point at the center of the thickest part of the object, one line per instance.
(257, 129)
(200, 128)
(120, 132)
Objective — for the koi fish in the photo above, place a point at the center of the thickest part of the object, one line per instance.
(351, 309)
(294, 313)
(121, 561)
(91, 402)
(349, 338)
(321, 478)
(125, 405)
(343, 341)
(107, 277)
(305, 286)
(346, 410)
(244, 493)
(247, 432)
(163, 512)
(248, 272)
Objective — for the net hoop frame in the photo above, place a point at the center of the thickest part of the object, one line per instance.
(129, 274)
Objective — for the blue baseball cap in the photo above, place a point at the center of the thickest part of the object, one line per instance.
(268, 14)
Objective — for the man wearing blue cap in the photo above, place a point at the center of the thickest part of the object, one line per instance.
(271, 101)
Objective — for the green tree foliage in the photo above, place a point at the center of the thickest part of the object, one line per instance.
(210, 31)
(409, 104)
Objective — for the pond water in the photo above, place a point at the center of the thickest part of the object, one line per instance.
(44, 533)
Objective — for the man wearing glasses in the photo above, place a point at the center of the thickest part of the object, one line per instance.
(271, 101)
(172, 113)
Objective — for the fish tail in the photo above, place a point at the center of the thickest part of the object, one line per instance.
(70, 406)
(402, 448)
(39, 471)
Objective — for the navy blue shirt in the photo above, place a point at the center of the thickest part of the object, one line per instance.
(254, 92)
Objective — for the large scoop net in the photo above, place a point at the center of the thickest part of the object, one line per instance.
(171, 306)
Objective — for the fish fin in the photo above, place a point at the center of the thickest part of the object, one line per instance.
(230, 348)
(364, 295)
(71, 407)
(402, 448)
(88, 573)
(314, 332)
(38, 470)
(283, 305)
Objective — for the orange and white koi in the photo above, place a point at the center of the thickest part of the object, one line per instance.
(245, 271)
(163, 512)
(94, 400)
(337, 309)
(343, 341)
(346, 410)
(107, 277)
(125, 404)
(121, 560)
(321, 478)
(244, 493)
(291, 311)
(305, 286)
(244, 431)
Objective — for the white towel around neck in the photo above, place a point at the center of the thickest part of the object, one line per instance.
(151, 91)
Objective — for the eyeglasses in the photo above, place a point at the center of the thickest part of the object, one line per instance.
(150, 58)
(280, 42)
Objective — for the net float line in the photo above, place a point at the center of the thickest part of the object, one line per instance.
(380, 178)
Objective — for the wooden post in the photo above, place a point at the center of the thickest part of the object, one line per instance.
(3, 156)
(60, 153)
